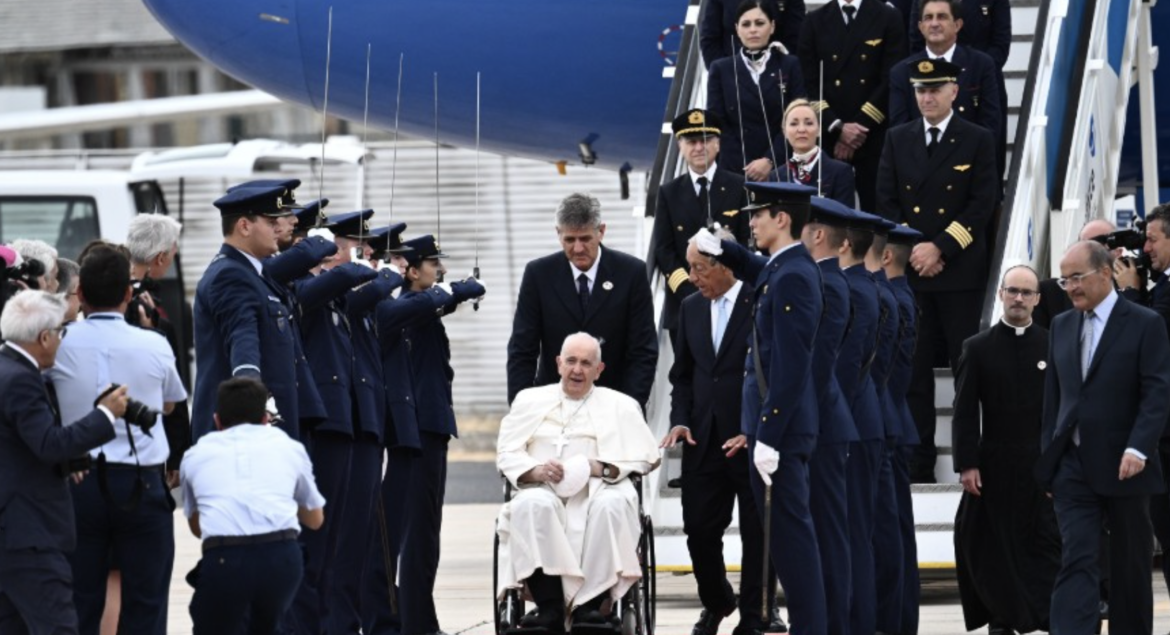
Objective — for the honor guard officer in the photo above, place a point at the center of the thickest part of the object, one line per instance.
(430, 363)
(365, 469)
(824, 237)
(887, 539)
(242, 326)
(329, 348)
(385, 243)
(780, 403)
(856, 42)
(857, 388)
(704, 197)
(895, 258)
(938, 176)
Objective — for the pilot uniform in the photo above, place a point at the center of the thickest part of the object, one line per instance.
(987, 27)
(897, 384)
(36, 518)
(948, 195)
(828, 467)
(755, 109)
(430, 366)
(780, 401)
(857, 59)
(688, 203)
(243, 328)
(330, 350)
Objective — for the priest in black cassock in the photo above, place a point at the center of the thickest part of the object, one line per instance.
(1007, 545)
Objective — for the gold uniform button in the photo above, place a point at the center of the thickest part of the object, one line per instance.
(863, 82)
(863, 59)
(961, 109)
(680, 228)
(942, 211)
(907, 188)
(837, 82)
(834, 58)
(916, 210)
(950, 187)
(775, 411)
(764, 418)
(335, 378)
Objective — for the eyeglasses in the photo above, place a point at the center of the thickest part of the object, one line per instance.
(60, 331)
(1012, 292)
(1074, 280)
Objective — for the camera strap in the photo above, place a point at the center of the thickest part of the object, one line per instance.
(139, 483)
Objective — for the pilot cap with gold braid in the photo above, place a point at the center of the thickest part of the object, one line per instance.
(925, 73)
(696, 122)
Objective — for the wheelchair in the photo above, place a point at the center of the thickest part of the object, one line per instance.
(635, 611)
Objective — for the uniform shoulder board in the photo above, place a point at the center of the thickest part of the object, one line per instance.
(874, 42)
(273, 298)
(218, 257)
(731, 212)
(964, 167)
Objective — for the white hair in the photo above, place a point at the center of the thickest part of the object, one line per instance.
(150, 235)
(582, 335)
(30, 312)
(38, 250)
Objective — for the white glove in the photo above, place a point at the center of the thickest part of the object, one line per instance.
(274, 417)
(386, 264)
(322, 232)
(766, 460)
(445, 286)
(708, 243)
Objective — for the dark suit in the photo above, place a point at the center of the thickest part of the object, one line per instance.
(701, 379)
(834, 178)
(717, 29)
(1120, 403)
(36, 514)
(620, 313)
(757, 110)
(949, 196)
(828, 500)
(857, 61)
(887, 539)
(897, 384)
(981, 100)
(242, 328)
(679, 214)
(987, 27)
(780, 409)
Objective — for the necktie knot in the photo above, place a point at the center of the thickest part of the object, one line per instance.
(850, 12)
(934, 132)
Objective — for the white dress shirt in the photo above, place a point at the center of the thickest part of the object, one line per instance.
(942, 127)
(730, 298)
(710, 174)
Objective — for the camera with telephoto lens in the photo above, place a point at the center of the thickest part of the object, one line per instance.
(138, 288)
(137, 413)
(1132, 241)
(28, 272)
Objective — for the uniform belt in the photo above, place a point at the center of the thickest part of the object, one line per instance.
(130, 466)
(255, 539)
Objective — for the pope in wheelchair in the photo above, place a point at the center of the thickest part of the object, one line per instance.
(570, 533)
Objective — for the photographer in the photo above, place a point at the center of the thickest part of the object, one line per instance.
(122, 506)
(43, 277)
(36, 453)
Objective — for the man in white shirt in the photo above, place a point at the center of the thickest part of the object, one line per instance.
(247, 489)
(123, 506)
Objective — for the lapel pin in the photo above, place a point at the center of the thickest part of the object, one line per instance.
(1041, 364)
(607, 285)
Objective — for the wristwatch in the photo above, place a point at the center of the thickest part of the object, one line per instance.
(608, 471)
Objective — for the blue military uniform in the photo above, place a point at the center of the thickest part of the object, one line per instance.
(828, 467)
(429, 354)
(242, 325)
(780, 401)
(897, 385)
(864, 468)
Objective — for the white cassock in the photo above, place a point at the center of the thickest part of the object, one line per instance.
(588, 538)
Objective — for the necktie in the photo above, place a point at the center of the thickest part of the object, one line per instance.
(933, 141)
(849, 10)
(704, 198)
(1087, 344)
(720, 321)
(583, 291)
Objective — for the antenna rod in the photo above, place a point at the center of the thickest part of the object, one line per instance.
(438, 195)
(475, 270)
(325, 108)
(365, 129)
(820, 129)
(739, 110)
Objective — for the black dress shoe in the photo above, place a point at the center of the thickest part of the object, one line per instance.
(708, 623)
(1000, 630)
(552, 621)
(775, 622)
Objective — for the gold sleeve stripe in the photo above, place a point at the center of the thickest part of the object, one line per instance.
(820, 106)
(873, 112)
(676, 279)
(960, 234)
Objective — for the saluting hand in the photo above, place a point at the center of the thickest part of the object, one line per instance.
(676, 434)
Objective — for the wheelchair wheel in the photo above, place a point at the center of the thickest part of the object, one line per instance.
(645, 592)
(510, 609)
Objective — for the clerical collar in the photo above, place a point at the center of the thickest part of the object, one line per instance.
(1020, 330)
